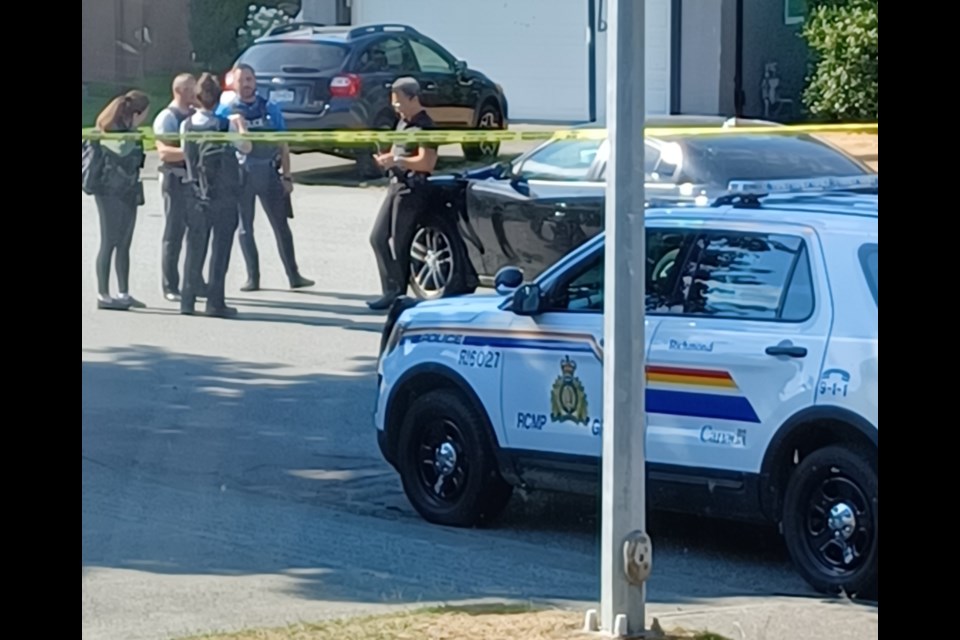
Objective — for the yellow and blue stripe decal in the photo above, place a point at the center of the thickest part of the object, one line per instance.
(697, 393)
(678, 391)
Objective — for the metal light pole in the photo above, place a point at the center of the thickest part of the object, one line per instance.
(625, 547)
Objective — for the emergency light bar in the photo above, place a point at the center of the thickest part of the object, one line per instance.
(801, 185)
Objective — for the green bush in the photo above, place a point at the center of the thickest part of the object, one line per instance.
(215, 25)
(843, 83)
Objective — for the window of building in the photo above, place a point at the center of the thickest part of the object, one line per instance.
(794, 11)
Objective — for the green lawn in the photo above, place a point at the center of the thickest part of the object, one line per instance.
(99, 94)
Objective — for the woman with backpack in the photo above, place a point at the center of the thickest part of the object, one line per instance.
(114, 179)
(213, 171)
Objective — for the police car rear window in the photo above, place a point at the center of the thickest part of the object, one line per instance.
(869, 256)
(294, 57)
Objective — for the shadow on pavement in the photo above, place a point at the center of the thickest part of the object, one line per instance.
(205, 466)
(334, 315)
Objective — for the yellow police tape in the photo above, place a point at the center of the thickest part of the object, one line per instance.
(347, 136)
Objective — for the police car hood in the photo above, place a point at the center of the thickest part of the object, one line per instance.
(457, 309)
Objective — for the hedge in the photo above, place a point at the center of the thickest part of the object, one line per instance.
(843, 83)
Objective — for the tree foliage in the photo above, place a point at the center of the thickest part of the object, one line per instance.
(843, 83)
(215, 28)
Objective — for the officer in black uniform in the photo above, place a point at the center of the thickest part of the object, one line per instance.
(408, 164)
(267, 176)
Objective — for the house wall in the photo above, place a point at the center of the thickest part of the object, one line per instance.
(169, 24)
(700, 61)
(105, 22)
(767, 38)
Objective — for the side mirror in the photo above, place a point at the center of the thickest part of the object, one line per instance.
(507, 279)
(527, 300)
(460, 66)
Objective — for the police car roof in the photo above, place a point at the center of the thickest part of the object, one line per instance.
(828, 208)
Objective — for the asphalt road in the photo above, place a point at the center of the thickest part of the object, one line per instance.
(230, 475)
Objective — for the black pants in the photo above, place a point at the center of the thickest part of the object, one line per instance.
(216, 221)
(395, 220)
(177, 199)
(118, 217)
(262, 181)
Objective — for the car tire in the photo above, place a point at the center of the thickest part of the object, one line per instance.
(830, 521)
(366, 168)
(445, 258)
(446, 462)
(490, 118)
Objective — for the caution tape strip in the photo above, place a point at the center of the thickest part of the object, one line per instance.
(469, 135)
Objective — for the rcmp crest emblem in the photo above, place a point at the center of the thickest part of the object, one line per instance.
(568, 398)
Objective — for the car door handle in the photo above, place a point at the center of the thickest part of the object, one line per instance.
(430, 86)
(789, 350)
(559, 214)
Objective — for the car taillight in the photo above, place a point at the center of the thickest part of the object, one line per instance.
(345, 86)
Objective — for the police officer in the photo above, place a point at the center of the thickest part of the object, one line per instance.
(408, 164)
(266, 175)
(176, 194)
(214, 176)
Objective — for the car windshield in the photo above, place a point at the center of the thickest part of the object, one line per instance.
(278, 57)
(562, 160)
(716, 160)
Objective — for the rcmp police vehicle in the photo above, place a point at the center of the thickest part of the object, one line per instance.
(762, 376)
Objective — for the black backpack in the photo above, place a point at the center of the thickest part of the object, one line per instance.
(212, 166)
(104, 172)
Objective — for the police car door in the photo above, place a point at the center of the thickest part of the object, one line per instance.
(747, 313)
(552, 398)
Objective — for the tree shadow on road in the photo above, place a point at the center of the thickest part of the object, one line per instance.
(205, 466)
(278, 311)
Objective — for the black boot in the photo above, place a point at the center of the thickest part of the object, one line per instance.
(383, 303)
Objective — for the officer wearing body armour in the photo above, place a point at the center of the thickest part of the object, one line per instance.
(214, 175)
(266, 175)
(173, 173)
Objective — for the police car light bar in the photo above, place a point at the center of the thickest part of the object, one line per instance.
(826, 183)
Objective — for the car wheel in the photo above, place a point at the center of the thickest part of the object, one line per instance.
(830, 521)
(437, 264)
(489, 119)
(446, 463)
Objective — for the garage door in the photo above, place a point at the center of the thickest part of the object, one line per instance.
(538, 50)
(657, 64)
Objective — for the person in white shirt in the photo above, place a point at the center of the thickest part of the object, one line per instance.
(173, 173)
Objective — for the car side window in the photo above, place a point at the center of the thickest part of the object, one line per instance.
(749, 276)
(668, 278)
(429, 59)
(653, 169)
(582, 291)
(564, 160)
(390, 55)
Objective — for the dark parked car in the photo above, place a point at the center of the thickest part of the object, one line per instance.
(536, 209)
(339, 77)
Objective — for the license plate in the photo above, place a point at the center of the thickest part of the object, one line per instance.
(281, 95)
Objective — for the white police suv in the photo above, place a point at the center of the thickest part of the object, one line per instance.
(762, 378)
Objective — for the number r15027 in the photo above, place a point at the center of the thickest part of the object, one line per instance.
(479, 358)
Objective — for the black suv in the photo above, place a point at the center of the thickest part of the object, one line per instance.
(339, 77)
